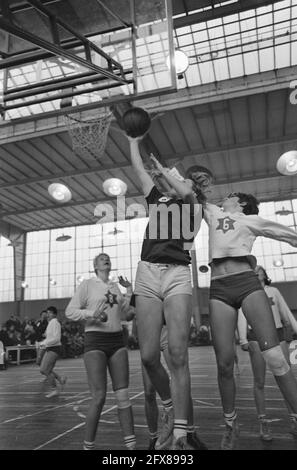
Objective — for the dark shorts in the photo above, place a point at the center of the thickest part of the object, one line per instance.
(55, 349)
(108, 343)
(232, 290)
(280, 333)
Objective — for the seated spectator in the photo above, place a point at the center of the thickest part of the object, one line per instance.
(4, 335)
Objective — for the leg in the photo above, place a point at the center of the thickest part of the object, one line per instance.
(177, 311)
(258, 313)
(223, 321)
(149, 313)
(95, 363)
(151, 407)
(46, 368)
(119, 371)
(259, 372)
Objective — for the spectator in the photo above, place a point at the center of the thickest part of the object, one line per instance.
(40, 326)
(4, 335)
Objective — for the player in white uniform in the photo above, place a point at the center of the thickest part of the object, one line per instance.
(52, 346)
(283, 318)
(233, 229)
(100, 303)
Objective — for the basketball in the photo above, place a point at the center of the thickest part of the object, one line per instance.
(136, 122)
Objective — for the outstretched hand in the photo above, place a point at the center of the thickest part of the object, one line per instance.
(124, 282)
(157, 165)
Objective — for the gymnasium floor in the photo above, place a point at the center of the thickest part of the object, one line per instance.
(30, 421)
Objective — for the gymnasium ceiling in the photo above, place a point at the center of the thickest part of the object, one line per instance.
(237, 126)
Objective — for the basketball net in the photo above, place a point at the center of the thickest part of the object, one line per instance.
(89, 136)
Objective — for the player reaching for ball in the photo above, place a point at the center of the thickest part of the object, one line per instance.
(99, 302)
(163, 291)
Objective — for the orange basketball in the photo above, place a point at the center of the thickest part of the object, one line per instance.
(136, 122)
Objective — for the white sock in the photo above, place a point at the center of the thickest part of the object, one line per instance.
(180, 428)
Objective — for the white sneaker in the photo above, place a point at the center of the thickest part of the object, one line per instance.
(166, 434)
(53, 393)
(63, 381)
(230, 436)
(265, 432)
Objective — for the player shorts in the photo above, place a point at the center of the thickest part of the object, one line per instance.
(233, 289)
(108, 343)
(160, 281)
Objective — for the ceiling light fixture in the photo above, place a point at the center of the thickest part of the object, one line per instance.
(287, 163)
(181, 61)
(63, 238)
(114, 187)
(59, 192)
(284, 211)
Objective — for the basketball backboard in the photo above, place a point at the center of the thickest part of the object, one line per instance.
(135, 34)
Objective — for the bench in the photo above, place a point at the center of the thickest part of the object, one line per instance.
(18, 356)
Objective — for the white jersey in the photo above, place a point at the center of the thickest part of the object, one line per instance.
(52, 334)
(281, 313)
(233, 234)
(85, 300)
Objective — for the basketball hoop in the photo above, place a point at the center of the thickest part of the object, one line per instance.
(89, 136)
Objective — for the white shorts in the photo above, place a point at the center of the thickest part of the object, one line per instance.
(161, 281)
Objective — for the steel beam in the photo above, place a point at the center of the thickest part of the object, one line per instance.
(55, 85)
(56, 50)
(219, 12)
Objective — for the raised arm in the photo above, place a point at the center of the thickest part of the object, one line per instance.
(269, 229)
(138, 166)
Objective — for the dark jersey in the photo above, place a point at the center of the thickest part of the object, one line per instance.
(165, 238)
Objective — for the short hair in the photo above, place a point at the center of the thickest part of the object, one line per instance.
(190, 173)
(97, 257)
(52, 310)
(251, 203)
(267, 280)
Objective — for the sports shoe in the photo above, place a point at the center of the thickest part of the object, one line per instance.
(63, 381)
(53, 393)
(293, 429)
(181, 444)
(265, 433)
(230, 436)
(152, 444)
(195, 442)
(165, 438)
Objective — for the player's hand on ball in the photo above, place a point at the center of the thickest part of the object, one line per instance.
(124, 282)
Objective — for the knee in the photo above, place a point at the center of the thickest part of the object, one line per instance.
(276, 361)
(122, 398)
(259, 383)
(178, 357)
(43, 371)
(225, 369)
(150, 361)
(99, 399)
